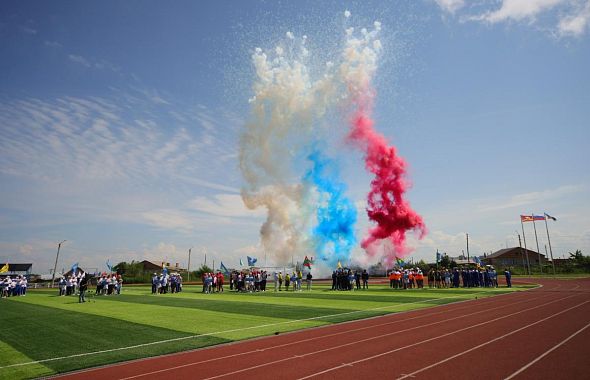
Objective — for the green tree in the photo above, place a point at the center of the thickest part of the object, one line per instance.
(579, 260)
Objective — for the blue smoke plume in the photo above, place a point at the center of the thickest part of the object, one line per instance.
(333, 236)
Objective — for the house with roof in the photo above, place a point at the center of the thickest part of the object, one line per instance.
(512, 257)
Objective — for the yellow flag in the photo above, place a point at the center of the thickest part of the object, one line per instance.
(339, 265)
(4, 269)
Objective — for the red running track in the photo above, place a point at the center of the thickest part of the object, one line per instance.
(539, 334)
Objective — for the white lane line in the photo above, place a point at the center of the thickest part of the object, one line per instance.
(370, 339)
(348, 331)
(433, 338)
(548, 352)
(492, 341)
(226, 331)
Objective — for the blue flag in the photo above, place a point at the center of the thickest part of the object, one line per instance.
(400, 262)
(74, 269)
(223, 269)
(251, 261)
(109, 266)
(438, 256)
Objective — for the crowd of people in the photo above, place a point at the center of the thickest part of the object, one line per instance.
(166, 283)
(401, 278)
(107, 285)
(347, 279)
(13, 287)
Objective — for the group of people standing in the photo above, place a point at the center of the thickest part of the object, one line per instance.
(463, 277)
(107, 285)
(166, 283)
(13, 287)
(347, 279)
(400, 278)
(248, 281)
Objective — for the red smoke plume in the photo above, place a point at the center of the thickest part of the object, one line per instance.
(387, 207)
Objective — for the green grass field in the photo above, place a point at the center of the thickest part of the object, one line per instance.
(43, 334)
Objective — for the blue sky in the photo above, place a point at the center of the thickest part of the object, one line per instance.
(120, 121)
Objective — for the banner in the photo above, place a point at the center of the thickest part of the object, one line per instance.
(4, 269)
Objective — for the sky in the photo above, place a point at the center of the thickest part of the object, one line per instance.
(120, 123)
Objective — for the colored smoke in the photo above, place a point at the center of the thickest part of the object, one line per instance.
(333, 235)
(386, 203)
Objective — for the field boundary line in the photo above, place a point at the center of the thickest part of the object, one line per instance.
(323, 337)
(238, 329)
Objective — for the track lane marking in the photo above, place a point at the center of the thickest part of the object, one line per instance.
(492, 341)
(432, 339)
(548, 352)
(328, 336)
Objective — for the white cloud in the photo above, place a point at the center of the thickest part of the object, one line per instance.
(575, 24)
(450, 6)
(518, 10)
(531, 198)
(79, 59)
(561, 18)
(224, 205)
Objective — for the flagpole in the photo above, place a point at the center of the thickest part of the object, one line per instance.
(549, 240)
(537, 240)
(525, 248)
(467, 237)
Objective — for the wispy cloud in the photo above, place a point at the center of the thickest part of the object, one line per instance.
(224, 205)
(100, 64)
(562, 18)
(531, 198)
(110, 158)
(450, 6)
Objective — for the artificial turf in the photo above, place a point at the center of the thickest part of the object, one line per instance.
(43, 334)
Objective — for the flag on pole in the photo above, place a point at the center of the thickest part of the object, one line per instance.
(164, 268)
(551, 217)
(400, 262)
(477, 261)
(74, 269)
(4, 268)
(109, 266)
(531, 218)
(307, 262)
(339, 266)
(251, 261)
(223, 269)
(241, 262)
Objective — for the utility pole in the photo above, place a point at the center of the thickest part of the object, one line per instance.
(188, 267)
(527, 256)
(56, 258)
(467, 236)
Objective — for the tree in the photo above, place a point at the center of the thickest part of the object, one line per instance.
(445, 262)
(579, 260)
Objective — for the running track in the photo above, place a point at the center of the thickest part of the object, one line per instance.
(539, 334)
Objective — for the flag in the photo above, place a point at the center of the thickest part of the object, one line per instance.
(251, 261)
(400, 262)
(223, 269)
(339, 266)
(477, 261)
(531, 218)
(438, 256)
(109, 266)
(550, 217)
(241, 262)
(307, 262)
(164, 268)
(4, 269)
(74, 269)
